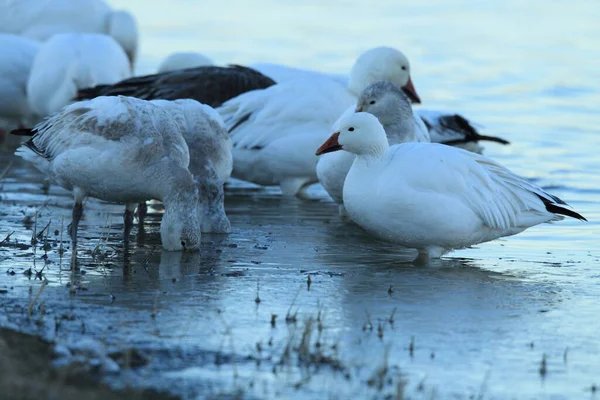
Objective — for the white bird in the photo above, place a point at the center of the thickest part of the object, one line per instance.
(121, 150)
(275, 130)
(211, 161)
(389, 104)
(17, 57)
(184, 60)
(41, 19)
(443, 127)
(68, 62)
(432, 197)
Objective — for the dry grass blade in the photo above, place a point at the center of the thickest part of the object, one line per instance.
(7, 238)
(5, 170)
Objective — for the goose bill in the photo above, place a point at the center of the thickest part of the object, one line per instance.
(330, 145)
(410, 91)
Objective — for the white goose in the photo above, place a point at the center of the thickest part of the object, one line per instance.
(17, 57)
(122, 150)
(184, 60)
(275, 130)
(41, 19)
(211, 161)
(389, 104)
(443, 127)
(432, 197)
(69, 62)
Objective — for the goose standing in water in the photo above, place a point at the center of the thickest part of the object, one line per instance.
(275, 130)
(121, 150)
(71, 61)
(389, 104)
(433, 197)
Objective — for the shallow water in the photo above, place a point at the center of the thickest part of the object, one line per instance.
(480, 321)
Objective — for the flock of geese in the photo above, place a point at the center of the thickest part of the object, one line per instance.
(413, 177)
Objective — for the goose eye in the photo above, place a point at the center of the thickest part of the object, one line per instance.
(372, 102)
(404, 67)
(350, 129)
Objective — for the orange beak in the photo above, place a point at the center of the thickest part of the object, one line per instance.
(330, 145)
(410, 91)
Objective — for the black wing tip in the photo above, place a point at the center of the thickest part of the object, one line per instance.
(460, 124)
(556, 207)
(23, 132)
(491, 139)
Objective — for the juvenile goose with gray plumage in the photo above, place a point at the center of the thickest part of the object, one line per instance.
(121, 150)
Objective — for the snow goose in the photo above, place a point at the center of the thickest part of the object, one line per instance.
(184, 60)
(41, 19)
(15, 64)
(432, 197)
(275, 130)
(389, 104)
(391, 107)
(210, 157)
(71, 61)
(122, 150)
(448, 128)
(210, 85)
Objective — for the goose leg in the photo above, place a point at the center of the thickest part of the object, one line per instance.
(128, 221)
(77, 213)
(142, 211)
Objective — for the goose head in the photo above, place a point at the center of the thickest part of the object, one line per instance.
(382, 64)
(183, 60)
(359, 133)
(122, 27)
(181, 222)
(385, 101)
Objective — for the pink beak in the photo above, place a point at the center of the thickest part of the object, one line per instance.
(330, 145)
(411, 92)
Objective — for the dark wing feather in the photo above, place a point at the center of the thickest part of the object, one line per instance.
(555, 205)
(209, 85)
(23, 132)
(459, 124)
(29, 143)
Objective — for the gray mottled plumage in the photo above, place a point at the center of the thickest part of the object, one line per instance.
(123, 150)
(211, 160)
(392, 108)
